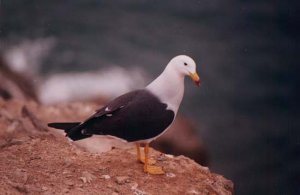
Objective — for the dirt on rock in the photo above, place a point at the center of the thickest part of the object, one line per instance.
(38, 160)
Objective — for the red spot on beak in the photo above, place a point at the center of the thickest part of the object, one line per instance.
(195, 77)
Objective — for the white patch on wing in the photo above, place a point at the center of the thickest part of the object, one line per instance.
(107, 109)
(108, 115)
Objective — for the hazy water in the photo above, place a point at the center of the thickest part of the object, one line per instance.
(247, 108)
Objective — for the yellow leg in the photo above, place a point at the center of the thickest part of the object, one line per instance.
(138, 152)
(142, 158)
(151, 169)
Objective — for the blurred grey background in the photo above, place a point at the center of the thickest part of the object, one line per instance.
(246, 110)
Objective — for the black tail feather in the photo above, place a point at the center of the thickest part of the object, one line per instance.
(63, 126)
(75, 134)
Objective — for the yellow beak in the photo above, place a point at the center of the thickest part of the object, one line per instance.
(195, 77)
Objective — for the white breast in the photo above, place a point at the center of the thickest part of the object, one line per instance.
(169, 88)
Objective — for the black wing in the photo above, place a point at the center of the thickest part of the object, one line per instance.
(80, 131)
(140, 117)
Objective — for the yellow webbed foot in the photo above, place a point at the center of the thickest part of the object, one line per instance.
(154, 170)
(141, 157)
(148, 163)
(150, 160)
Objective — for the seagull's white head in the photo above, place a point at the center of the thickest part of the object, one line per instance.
(185, 66)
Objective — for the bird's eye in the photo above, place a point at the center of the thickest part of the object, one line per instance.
(185, 63)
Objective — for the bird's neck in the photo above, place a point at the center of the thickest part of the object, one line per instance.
(169, 88)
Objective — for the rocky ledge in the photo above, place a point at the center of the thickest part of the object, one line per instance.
(37, 160)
